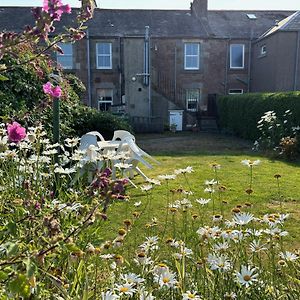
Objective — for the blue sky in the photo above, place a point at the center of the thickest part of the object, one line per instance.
(174, 4)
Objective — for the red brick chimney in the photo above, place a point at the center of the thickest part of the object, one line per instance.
(199, 8)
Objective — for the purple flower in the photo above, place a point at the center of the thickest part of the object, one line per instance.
(53, 91)
(16, 132)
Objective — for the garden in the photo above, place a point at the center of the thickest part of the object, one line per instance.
(216, 220)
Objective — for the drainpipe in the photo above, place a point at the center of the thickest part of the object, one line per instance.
(226, 67)
(296, 61)
(147, 67)
(249, 65)
(88, 68)
(175, 74)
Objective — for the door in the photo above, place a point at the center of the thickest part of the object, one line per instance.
(176, 118)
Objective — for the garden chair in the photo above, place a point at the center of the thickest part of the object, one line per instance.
(90, 138)
(121, 135)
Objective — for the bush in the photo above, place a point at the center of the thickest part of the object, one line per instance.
(239, 114)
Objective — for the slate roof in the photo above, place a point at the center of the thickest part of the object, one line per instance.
(291, 23)
(163, 23)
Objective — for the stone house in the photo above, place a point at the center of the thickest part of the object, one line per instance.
(161, 67)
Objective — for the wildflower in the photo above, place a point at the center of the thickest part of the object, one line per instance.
(221, 246)
(250, 163)
(166, 279)
(230, 296)
(146, 295)
(132, 278)
(190, 295)
(188, 169)
(236, 210)
(215, 166)
(277, 176)
(167, 177)
(126, 289)
(153, 181)
(53, 91)
(203, 201)
(288, 256)
(16, 132)
(256, 246)
(122, 166)
(210, 182)
(150, 244)
(72, 142)
(221, 263)
(217, 218)
(247, 276)
(109, 296)
(249, 191)
(137, 204)
(160, 269)
(243, 218)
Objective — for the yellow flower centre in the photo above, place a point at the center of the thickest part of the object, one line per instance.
(124, 289)
(166, 279)
(247, 278)
(191, 296)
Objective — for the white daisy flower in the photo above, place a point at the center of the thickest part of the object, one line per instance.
(137, 204)
(146, 187)
(247, 276)
(189, 295)
(109, 296)
(132, 278)
(289, 256)
(167, 177)
(166, 279)
(249, 163)
(256, 246)
(203, 201)
(243, 218)
(126, 289)
(221, 262)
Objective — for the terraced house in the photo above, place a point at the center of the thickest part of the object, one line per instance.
(163, 67)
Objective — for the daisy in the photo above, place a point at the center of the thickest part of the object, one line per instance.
(188, 169)
(146, 187)
(167, 177)
(190, 295)
(166, 279)
(247, 276)
(154, 181)
(132, 278)
(125, 289)
(230, 296)
(146, 295)
(203, 201)
(137, 204)
(210, 182)
(250, 163)
(221, 263)
(256, 246)
(109, 296)
(289, 256)
(243, 218)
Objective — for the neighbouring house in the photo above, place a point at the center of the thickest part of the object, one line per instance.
(164, 67)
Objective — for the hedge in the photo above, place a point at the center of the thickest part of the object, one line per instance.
(239, 114)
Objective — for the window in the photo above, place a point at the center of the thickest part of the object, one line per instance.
(251, 16)
(237, 56)
(192, 99)
(263, 50)
(65, 59)
(235, 91)
(104, 55)
(191, 56)
(105, 99)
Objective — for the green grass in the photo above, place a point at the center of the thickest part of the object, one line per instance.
(266, 197)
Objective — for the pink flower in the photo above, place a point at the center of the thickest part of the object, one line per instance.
(55, 9)
(16, 132)
(53, 91)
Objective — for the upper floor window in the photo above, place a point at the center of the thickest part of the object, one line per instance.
(104, 55)
(65, 59)
(191, 56)
(105, 99)
(263, 50)
(237, 56)
(192, 99)
(235, 91)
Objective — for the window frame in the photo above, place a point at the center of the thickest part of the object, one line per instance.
(188, 100)
(232, 93)
(98, 55)
(59, 55)
(263, 50)
(99, 101)
(191, 55)
(243, 57)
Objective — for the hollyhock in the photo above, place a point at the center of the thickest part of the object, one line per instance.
(53, 91)
(16, 132)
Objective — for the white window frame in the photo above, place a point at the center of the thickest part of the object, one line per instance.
(192, 55)
(98, 55)
(231, 91)
(263, 50)
(100, 101)
(59, 55)
(188, 100)
(243, 64)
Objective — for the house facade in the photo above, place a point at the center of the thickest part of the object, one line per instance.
(163, 67)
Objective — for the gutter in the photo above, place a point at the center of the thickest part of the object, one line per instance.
(296, 61)
(88, 68)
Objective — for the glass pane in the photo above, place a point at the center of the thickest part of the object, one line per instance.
(191, 62)
(236, 56)
(104, 48)
(66, 48)
(104, 61)
(65, 61)
(191, 49)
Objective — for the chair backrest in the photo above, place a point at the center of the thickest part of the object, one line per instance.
(122, 134)
(87, 140)
(97, 134)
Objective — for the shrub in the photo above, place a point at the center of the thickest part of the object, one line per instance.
(239, 114)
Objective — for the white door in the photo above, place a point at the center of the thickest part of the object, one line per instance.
(176, 118)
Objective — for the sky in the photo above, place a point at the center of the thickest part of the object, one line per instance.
(174, 4)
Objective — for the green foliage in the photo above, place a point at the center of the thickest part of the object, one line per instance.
(239, 114)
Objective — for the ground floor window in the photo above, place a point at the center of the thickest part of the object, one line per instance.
(105, 99)
(192, 99)
(235, 91)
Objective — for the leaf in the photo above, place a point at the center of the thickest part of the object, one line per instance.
(30, 267)
(20, 286)
(3, 276)
(3, 78)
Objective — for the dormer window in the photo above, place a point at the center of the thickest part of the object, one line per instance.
(263, 50)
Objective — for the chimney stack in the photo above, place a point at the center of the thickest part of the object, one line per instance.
(199, 8)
